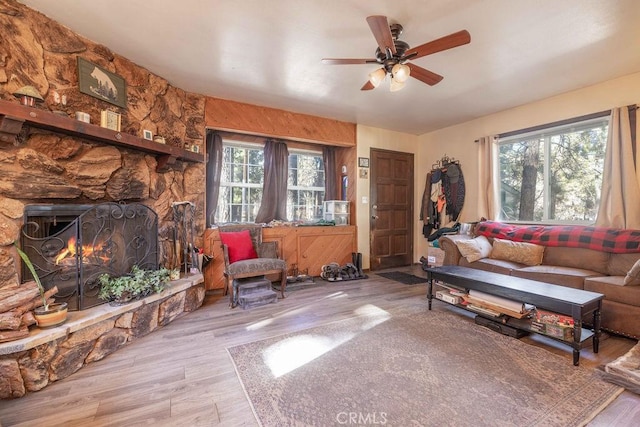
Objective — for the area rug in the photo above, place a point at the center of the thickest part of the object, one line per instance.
(625, 370)
(413, 367)
(406, 278)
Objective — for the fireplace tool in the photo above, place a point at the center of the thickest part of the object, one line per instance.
(184, 222)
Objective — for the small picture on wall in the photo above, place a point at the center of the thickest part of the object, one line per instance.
(364, 173)
(101, 83)
(363, 162)
(147, 134)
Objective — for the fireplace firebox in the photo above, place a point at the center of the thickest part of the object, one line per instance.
(72, 245)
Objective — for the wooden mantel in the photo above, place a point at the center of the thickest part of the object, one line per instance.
(251, 119)
(14, 116)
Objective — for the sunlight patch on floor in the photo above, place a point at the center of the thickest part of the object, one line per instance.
(293, 352)
(375, 314)
(259, 324)
(291, 312)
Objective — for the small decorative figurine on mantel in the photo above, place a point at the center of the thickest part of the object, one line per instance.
(28, 96)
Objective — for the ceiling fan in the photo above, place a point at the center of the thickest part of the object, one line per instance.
(394, 54)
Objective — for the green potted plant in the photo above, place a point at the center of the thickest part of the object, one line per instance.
(47, 315)
(138, 284)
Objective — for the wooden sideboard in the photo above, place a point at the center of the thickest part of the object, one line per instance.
(306, 247)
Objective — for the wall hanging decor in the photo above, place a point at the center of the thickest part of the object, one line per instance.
(101, 83)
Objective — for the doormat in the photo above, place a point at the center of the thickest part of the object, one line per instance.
(406, 278)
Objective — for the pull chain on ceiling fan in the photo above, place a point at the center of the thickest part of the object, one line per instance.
(394, 55)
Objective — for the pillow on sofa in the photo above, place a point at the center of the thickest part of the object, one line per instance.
(521, 252)
(633, 276)
(474, 249)
(239, 245)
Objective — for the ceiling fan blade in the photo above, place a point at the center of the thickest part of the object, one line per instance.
(381, 31)
(367, 86)
(425, 76)
(347, 61)
(438, 45)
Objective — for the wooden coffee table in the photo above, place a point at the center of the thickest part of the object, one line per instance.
(559, 299)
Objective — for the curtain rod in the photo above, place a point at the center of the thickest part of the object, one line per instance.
(558, 123)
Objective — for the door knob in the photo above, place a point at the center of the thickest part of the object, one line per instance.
(374, 216)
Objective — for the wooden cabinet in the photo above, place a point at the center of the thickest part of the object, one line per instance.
(307, 247)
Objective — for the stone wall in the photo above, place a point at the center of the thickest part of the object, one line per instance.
(50, 167)
(91, 336)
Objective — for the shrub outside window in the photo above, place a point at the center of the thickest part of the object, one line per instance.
(553, 175)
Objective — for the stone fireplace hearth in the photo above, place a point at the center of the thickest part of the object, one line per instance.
(48, 355)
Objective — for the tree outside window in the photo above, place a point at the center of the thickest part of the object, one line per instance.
(240, 184)
(553, 175)
(305, 186)
(242, 179)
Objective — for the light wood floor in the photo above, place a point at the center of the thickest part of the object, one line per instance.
(181, 375)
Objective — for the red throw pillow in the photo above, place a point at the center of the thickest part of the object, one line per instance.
(239, 245)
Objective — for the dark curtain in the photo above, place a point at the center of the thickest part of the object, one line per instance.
(330, 180)
(213, 171)
(274, 190)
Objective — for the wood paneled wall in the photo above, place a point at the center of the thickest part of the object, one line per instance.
(235, 116)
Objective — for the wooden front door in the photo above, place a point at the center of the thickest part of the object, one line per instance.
(391, 209)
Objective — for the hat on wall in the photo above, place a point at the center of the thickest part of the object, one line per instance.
(453, 173)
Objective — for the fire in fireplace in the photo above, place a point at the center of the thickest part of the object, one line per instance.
(72, 245)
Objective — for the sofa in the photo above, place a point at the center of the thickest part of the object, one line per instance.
(597, 259)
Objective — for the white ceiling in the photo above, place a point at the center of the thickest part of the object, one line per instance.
(268, 52)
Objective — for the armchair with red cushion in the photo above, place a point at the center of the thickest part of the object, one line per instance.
(246, 255)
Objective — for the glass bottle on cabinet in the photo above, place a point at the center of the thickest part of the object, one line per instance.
(337, 210)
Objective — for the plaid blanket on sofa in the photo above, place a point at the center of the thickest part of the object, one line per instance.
(573, 236)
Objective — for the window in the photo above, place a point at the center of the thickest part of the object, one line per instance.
(242, 177)
(553, 175)
(240, 183)
(305, 187)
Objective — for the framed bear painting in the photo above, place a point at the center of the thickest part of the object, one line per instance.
(101, 83)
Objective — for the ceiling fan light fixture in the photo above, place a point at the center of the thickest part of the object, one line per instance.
(377, 76)
(400, 72)
(395, 85)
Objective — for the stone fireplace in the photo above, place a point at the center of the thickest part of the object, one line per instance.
(72, 245)
(48, 157)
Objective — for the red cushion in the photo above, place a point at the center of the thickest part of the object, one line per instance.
(239, 245)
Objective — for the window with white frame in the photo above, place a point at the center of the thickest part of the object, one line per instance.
(242, 178)
(240, 183)
(305, 187)
(553, 175)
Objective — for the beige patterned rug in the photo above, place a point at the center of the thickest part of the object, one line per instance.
(413, 367)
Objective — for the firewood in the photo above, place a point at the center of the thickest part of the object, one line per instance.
(17, 297)
(14, 335)
(28, 319)
(10, 320)
(37, 302)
